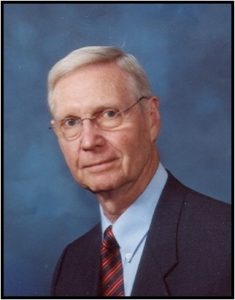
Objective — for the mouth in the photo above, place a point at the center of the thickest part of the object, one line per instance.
(100, 166)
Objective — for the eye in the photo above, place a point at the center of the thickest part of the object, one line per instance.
(70, 122)
(110, 113)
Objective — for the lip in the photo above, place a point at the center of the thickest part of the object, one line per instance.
(100, 166)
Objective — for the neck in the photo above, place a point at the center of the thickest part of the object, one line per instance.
(115, 202)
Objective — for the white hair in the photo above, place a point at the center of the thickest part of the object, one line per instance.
(98, 54)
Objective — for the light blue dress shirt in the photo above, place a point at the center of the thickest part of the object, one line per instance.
(131, 228)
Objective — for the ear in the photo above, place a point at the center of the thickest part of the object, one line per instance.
(154, 117)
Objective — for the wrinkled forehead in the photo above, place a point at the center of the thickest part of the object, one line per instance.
(93, 86)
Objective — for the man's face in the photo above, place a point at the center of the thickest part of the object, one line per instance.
(106, 160)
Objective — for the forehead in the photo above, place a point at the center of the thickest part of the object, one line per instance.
(92, 86)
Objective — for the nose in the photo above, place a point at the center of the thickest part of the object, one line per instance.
(91, 137)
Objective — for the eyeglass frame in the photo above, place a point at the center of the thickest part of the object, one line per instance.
(91, 118)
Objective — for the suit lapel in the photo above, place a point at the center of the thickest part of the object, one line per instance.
(90, 275)
(93, 271)
(160, 253)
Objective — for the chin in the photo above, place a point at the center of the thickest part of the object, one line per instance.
(101, 184)
(99, 188)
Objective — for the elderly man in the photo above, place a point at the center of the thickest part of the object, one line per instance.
(156, 236)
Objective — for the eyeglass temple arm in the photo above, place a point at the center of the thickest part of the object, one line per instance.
(141, 98)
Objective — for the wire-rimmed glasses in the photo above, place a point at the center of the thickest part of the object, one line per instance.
(71, 127)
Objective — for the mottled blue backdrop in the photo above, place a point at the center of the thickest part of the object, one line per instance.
(185, 49)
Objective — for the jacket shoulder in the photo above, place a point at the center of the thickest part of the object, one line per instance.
(199, 204)
(87, 238)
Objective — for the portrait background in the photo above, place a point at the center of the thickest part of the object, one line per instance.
(185, 51)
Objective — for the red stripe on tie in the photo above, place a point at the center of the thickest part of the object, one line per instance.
(107, 261)
(115, 288)
(111, 266)
(112, 272)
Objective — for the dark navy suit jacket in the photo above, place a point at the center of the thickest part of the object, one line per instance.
(187, 252)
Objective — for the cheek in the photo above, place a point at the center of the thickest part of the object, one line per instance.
(134, 148)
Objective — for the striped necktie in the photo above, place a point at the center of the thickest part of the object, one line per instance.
(111, 266)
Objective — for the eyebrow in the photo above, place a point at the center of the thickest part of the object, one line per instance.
(96, 110)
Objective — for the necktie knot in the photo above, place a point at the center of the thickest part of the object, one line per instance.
(109, 240)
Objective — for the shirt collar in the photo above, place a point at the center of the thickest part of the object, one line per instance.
(132, 226)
